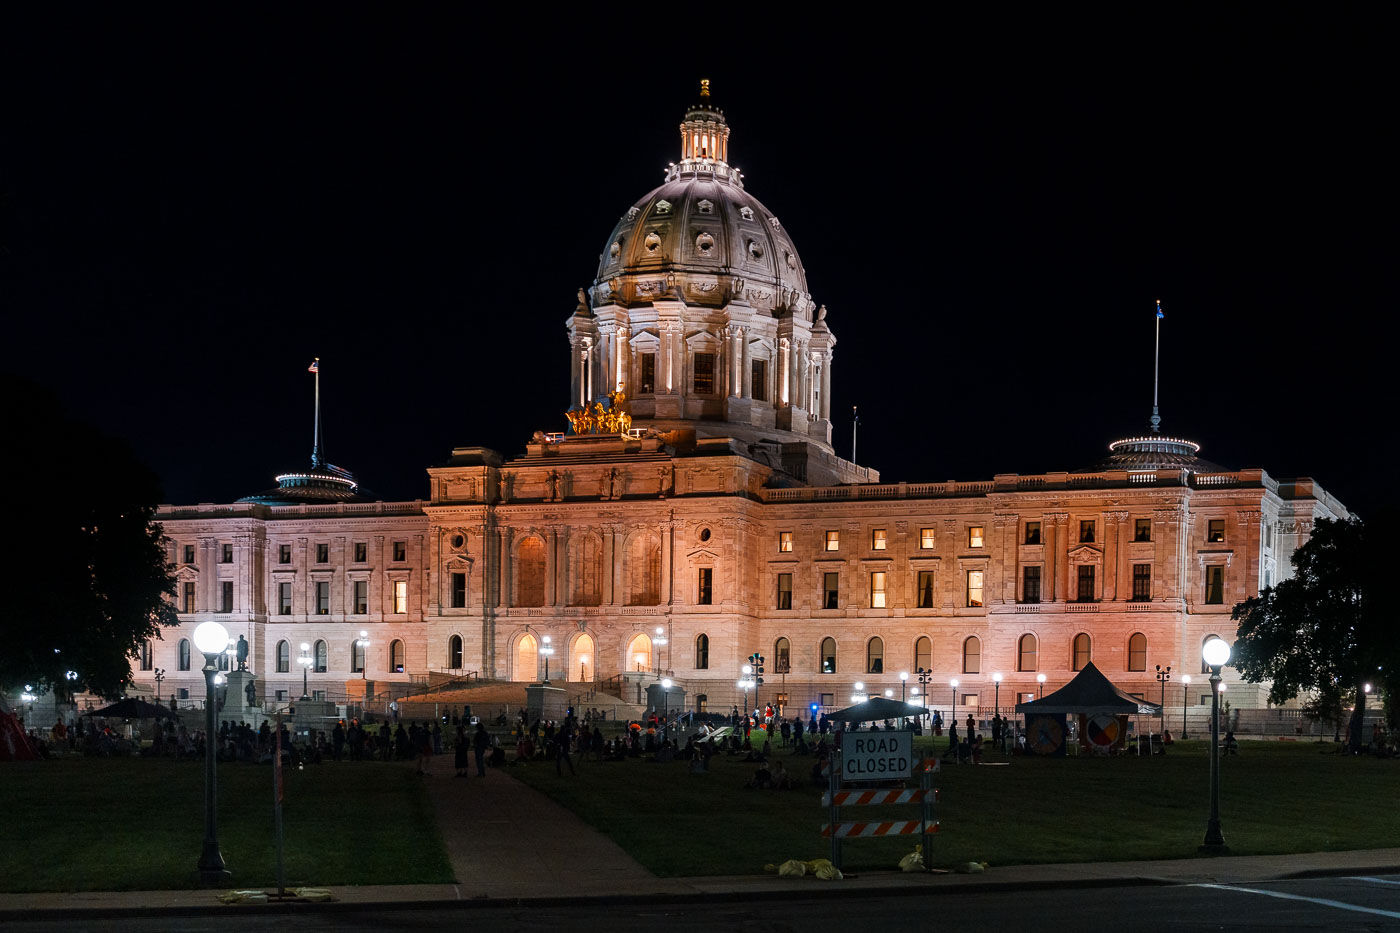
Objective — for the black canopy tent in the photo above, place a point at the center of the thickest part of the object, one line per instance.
(133, 708)
(1091, 693)
(876, 709)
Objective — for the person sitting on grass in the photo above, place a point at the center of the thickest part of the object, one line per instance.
(781, 779)
(1232, 746)
(762, 779)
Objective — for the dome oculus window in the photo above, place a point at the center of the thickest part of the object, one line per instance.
(755, 251)
(652, 242)
(791, 261)
(706, 207)
(458, 541)
(663, 207)
(704, 534)
(746, 213)
(704, 242)
(615, 250)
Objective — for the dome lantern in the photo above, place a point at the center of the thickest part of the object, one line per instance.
(704, 132)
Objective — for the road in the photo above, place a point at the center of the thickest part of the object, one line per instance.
(1362, 903)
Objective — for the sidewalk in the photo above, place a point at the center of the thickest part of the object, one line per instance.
(509, 843)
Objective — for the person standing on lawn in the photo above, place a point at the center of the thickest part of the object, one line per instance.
(461, 750)
(480, 743)
(562, 741)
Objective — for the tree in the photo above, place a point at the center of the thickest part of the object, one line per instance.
(1320, 631)
(92, 577)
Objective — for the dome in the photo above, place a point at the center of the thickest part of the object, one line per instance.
(324, 483)
(1156, 452)
(700, 236)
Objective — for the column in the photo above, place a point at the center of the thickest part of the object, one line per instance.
(1062, 555)
(575, 374)
(503, 566)
(667, 559)
(208, 579)
(745, 365)
(784, 379)
(609, 559)
(1111, 561)
(826, 387)
(561, 565)
(551, 575)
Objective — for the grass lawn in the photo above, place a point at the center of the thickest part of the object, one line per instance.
(82, 824)
(1276, 797)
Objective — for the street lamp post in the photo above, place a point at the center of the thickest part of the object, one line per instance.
(1040, 680)
(953, 696)
(657, 644)
(1185, 688)
(1215, 653)
(363, 644)
(159, 676)
(305, 662)
(1164, 674)
(925, 676)
(210, 638)
(546, 650)
(746, 683)
(665, 704)
(756, 660)
(996, 701)
(903, 683)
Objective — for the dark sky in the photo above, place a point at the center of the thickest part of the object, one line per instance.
(192, 210)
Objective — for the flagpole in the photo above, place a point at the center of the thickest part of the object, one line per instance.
(316, 440)
(1156, 357)
(855, 422)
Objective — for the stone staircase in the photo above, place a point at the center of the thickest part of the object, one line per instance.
(488, 699)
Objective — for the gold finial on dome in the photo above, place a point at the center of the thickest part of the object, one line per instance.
(704, 87)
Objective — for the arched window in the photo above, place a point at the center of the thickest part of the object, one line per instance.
(581, 657)
(586, 557)
(875, 656)
(642, 571)
(1083, 651)
(184, 654)
(357, 656)
(702, 652)
(923, 654)
(396, 657)
(321, 658)
(1027, 654)
(639, 652)
(782, 656)
(454, 653)
(284, 657)
(972, 655)
(527, 658)
(828, 656)
(1137, 652)
(146, 663)
(1205, 668)
(529, 573)
(702, 702)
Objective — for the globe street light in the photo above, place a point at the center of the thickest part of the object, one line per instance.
(363, 644)
(1040, 679)
(658, 643)
(925, 676)
(903, 684)
(996, 703)
(756, 660)
(305, 662)
(1164, 674)
(746, 683)
(953, 706)
(665, 704)
(547, 649)
(1215, 653)
(210, 638)
(859, 696)
(1185, 688)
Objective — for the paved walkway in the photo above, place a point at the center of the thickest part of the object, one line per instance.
(508, 842)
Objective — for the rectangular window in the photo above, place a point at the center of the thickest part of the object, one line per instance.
(400, 596)
(1142, 529)
(323, 553)
(926, 539)
(361, 552)
(833, 540)
(925, 589)
(400, 551)
(1030, 584)
(877, 539)
(1215, 585)
(361, 597)
(974, 587)
(189, 553)
(1142, 583)
(1032, 532)
(188, 604)
(226, 552)
(831, 590)
(284, 599)
(1086, 531)
(1085, 592)
(784, 591)
(975, 534)
(760, 380)
(284, 553)
(648, 378)
(226, 602)
(704, 382)
(1216, 533)
(877, 589)
(784, 541)
(323, 599)
(704, 593)
(459, 591)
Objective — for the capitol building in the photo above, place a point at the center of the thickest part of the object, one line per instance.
(695, 513)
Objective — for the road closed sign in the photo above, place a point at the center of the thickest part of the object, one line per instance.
(876, 756)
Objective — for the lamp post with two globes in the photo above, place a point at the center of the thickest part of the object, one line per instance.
(1040, 680)
(547, 650)
(305, 662)
(211, 639)
(953, 698)
(746, 683)
(1215, 653)
(363, 644)
(1164, 674)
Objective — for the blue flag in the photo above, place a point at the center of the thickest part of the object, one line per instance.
(1159, 309)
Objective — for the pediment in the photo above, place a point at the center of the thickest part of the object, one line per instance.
(703, 553)
(1085, 554)
(186, 572)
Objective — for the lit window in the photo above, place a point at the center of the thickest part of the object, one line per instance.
(357, 657)
(323, 553)
(1216, 532)
(400, 551)
(704, 594)
(323, 599)
(1137, 652)
(923, 654)
(784, 591)
(284, 599)
(459, 591)
(925, 589)
(974, 587)
(396, 657)
(1027, 653)
(975, 534)
(784, 541)
(833, 540)
(1085, 592)
(1142, 529)
(926, 538)
(704, 381)
(831, 590)
(702, 652)
(877, 539)
(1142, 582)
(400, 596)
(972, 655)
(1030, 584)
(782, 654)
(321, 659)
(361, 597)
(828, 656)
(877, 589)
(1215, 584)
(1086, 531)
(188, 605)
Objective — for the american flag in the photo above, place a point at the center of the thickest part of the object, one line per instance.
(314, 364)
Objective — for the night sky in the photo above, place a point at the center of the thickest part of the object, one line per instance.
(193, 210)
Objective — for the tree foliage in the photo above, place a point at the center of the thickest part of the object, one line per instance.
(92, 579)
(1319, 632)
